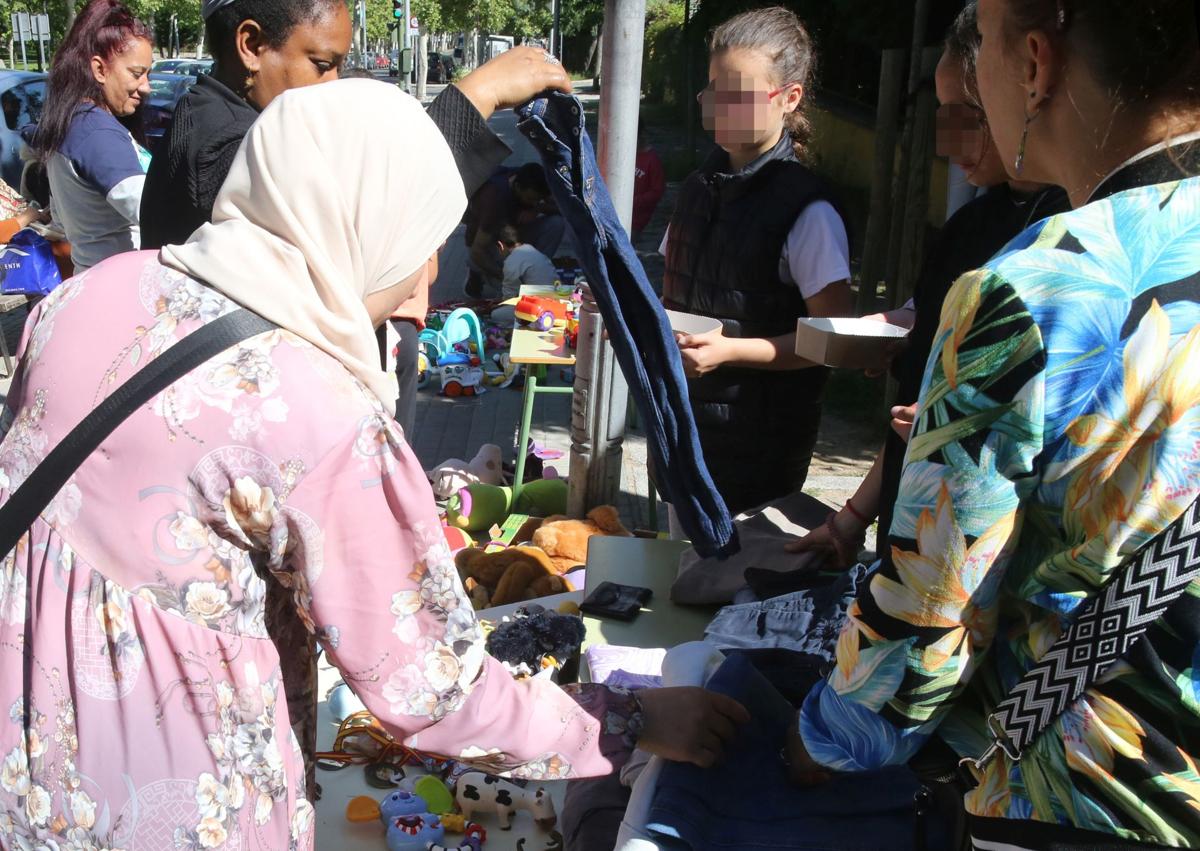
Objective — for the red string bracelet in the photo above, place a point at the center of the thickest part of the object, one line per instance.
(861, 519)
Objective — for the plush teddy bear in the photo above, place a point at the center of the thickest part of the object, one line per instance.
(565, 540)
(512, 575)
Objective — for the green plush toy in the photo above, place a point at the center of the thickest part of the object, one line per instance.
(478, 507)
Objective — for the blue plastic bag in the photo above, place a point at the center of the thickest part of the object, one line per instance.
(27, 265)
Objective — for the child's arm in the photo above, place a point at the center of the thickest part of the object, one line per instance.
(702, 353)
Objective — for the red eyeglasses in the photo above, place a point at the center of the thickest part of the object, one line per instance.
(710, 96)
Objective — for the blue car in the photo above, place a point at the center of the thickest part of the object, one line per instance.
(159, 109)
(22, 94)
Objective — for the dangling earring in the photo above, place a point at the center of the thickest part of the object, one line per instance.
(1020, 164)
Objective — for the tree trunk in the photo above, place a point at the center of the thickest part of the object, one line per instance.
(592, 65)
(200, 44)
(422, 64)
(599, 72)
(70, 4)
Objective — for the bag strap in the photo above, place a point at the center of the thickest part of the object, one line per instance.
(1111, 623)
(44, 483)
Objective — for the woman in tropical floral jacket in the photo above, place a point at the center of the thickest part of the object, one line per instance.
(1058, 431)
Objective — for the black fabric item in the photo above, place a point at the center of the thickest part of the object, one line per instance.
(208, 127)
(1015, 835)
(406, 375)
(757, 427)
(970, 238)
(185, 176)
(24, 506)
(477, 150)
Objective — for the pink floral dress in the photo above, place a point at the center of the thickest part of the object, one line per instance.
(158, 623)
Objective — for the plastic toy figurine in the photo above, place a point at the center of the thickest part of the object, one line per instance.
(481, 792)
(415, 832)
(541, 313)
(399, 803)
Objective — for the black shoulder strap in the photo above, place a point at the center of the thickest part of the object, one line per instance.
(1110, 624)
(24, 506)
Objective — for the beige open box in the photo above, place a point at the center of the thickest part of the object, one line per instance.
(690, 323)
(847, 342)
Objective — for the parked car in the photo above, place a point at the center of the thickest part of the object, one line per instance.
(159, 109)
(183, 67)
(437, 70)
(22, 95)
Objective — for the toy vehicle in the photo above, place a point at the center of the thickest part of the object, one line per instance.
(541, 313)
(461, 379)
(571, 332)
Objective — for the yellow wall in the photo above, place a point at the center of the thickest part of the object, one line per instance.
(844, 150)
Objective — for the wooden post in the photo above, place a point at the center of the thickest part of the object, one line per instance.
(900, 192)
(916, 207)
(887, 129)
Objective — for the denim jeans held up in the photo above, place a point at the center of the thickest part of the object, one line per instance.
(637, 327)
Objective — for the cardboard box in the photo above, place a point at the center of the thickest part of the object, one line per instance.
(847, 342)
(690, 323)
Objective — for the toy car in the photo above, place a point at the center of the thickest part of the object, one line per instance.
(461, 379)
(541, 313)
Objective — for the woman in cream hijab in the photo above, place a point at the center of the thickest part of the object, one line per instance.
(157, 623)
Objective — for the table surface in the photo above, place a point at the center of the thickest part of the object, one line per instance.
(633, 561)
(540, 347)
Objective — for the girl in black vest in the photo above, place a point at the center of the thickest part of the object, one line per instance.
(756, 241)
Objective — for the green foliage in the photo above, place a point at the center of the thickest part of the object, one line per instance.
(663, 62)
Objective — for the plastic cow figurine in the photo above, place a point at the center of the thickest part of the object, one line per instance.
(481, 792)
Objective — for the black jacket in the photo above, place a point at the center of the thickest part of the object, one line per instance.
(186, 174)
(207, 130)
(970, 238)
(757, 427)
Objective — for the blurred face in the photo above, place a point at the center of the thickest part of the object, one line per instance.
(962, 131)
(527, 197)
(312, 54)
(743, 106)
(125, 77)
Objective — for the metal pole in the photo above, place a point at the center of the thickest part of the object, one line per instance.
(405, 42)
(620, 99)
(37, 33)
(556, 31)
(598, 408)
(23, 27)
(601, 394)
(688, 85)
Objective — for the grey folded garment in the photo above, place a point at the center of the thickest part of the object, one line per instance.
(763, 533)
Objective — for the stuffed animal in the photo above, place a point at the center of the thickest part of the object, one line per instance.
(512, 575)
(454, 474)
(565, 540)
(480, 506)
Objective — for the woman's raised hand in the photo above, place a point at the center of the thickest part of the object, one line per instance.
(512, 78)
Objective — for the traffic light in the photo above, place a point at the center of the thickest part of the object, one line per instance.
(397, 8)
